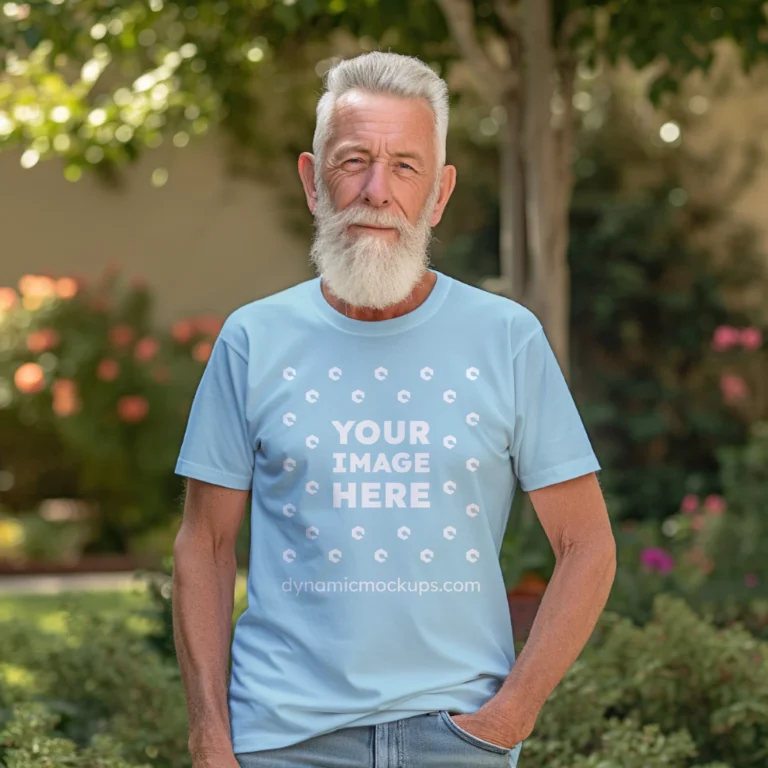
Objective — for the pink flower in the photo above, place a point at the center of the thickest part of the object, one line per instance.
(29, 378)
(656, 559)
(751, 338)
(121, 335)
(65, 399)
(108, 369)
(733, 388)
(725, 337)
(40, 341)
(8, 299)
(690, 503)
(146, 348)
(183, 331)
(202, 351)
(715, 504)
(132, 408)
(751, 580)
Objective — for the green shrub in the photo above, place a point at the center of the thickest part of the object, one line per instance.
(96, 676)
(676, 692)
(28, 742)
(87, 372)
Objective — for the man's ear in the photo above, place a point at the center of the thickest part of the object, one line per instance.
(447, 185)
(307, 175)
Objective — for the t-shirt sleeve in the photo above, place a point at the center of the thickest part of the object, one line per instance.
(550, 443)
(217, 447)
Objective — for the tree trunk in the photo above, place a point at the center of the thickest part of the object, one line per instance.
(512, 234)
(548, 286)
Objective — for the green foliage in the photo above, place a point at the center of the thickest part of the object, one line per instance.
(676, 692)
(646, 300)
(97, 677)
(739, 546)
(714, 580)
(177, 68)
(91, 692)
(29, 743)
(682, 35)
(714, 550)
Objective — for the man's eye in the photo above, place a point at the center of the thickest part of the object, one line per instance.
(406, 165)
(354, 159)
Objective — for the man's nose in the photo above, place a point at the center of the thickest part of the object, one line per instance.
(377, 191)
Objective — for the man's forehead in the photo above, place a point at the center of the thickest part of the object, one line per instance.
(361, 119)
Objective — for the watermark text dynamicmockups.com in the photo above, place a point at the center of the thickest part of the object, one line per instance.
(372, 587)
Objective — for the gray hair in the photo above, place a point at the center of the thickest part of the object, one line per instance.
(382, 73)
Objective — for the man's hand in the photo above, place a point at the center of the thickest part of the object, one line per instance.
(504, 732)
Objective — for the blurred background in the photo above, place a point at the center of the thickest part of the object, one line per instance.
(612, 176)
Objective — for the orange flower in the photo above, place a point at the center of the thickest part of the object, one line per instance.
(40, 341)
(29, 378)
(132, 408)
(66, 287)
(37, 285)
(146, 348)
(108, 369)
(65, 399)
(8, 299)
(121, 335)
(202, 351)
(183, 331)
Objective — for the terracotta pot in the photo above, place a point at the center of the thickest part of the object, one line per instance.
(524, 601)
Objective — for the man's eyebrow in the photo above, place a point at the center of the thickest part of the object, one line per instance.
(365, 151)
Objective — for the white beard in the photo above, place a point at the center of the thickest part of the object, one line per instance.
(366, 270)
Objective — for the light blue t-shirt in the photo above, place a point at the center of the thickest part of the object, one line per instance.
(383, 457)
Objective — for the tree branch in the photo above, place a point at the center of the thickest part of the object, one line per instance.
(490, 81)
(509, 16)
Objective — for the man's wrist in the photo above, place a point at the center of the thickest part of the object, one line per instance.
(204, 745)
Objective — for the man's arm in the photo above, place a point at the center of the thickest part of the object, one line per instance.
(575, 519)
(204, 576)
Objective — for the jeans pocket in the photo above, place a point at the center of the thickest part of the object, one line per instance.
(470, 737)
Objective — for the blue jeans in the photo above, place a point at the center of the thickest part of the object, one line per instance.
(432, 740)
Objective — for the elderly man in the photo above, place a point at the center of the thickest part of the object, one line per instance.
(382, 414)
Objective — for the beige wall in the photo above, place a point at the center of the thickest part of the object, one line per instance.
(205, 241)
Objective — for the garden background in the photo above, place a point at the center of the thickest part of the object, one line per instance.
(612, 176)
